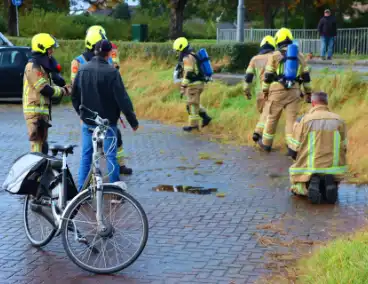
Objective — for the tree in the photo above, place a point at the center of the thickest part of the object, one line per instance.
(12, 17)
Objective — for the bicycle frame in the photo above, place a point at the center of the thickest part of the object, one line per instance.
(96, 185)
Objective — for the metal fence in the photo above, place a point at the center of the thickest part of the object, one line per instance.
(347, 40)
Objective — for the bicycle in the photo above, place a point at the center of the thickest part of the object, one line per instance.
(50, 203)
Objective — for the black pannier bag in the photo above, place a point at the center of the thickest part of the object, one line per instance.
(32, 174)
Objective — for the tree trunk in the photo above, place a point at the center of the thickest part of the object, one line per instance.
(286, 13)
(176, 18)
(267, 17)
(12, 19)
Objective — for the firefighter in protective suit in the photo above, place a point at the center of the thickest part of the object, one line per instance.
(192, 84)
(39, 89)
(281, 96)
(319, 145)
(94, 35)
(256, 69)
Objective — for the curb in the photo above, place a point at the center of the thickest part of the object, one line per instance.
(338, 62)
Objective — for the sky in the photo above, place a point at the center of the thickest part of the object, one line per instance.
(132, 2)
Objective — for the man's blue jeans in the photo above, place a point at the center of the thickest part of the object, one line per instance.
(327, 42)
(87, 151)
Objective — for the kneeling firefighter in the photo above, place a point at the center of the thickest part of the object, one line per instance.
(257, 68)
(41, 83)
(192, 83)
(94, 35)
(285, 71)
(319, 145)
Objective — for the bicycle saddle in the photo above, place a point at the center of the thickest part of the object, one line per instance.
(68, 149)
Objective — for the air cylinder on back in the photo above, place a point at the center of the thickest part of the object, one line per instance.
(205, 62)
(291, 63)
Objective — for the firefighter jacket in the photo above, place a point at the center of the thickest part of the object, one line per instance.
(320, 141)
(38, 90)
(114, 56)
(256, 68)
(274, 72)
(87, 56)
(191, 75)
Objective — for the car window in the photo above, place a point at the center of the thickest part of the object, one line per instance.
(12, 58)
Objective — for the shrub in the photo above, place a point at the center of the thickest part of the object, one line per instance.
(239, 54)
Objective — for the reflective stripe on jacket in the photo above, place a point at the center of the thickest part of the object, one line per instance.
(320, 140)
(34, 80)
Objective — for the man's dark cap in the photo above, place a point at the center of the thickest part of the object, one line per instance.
(103, 46)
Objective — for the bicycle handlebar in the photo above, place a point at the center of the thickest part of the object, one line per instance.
(95, 117)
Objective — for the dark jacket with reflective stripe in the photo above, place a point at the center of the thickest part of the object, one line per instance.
(320, 140)
(99, 87)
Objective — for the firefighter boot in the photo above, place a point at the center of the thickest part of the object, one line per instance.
(190, 128)
(331, 189)
(256, 136)
(206, 119)
(264, 147)
(314, 194)
(125, 170)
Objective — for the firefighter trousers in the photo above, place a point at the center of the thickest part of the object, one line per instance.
(120, 151)
(261, 100)
(274, 108)
(193, 94)
(37, 127)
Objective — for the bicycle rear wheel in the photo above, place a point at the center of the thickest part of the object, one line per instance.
(120, 247)
(38, 221)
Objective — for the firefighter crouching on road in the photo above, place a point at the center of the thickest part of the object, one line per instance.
(279, 96)
(192, 84)
(38, 89)
(256, 68)
(319, 145)
(95, 34)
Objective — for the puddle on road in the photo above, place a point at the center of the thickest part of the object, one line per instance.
(184, 189)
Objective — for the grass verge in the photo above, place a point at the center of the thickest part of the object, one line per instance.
(155, 97)
(342, 261)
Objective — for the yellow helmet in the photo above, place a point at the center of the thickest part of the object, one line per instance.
(93, 37)
(42, 42)
(268, 40)
(282, 35)
(97, 28)
(180, 44)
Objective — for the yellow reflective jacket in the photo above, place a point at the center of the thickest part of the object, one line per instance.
(34, 80)
(275, 67)
(256, 68)
(320, 140)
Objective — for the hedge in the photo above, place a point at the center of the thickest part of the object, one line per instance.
(239, 55)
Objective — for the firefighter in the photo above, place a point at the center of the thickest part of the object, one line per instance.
(256, 68)
(319, 145)
(281, 96)
(39, 89)
(192, 84)
(94, 35)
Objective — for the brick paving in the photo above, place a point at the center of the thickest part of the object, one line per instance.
(192, 238)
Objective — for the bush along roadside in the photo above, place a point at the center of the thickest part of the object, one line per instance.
(236, 57)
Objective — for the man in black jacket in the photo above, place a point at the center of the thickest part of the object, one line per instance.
(327, 30)
(99, 87)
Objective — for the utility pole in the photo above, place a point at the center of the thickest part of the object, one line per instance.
(240, 27)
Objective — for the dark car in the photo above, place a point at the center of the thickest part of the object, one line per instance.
(13, 60)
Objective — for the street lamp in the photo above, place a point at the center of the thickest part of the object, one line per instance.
(240, 26)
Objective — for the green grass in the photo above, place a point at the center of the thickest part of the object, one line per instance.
(234, 117)
(342, 261)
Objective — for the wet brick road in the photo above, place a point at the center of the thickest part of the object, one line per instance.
(193, 239)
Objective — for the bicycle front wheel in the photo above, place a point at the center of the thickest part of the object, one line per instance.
(115, 249)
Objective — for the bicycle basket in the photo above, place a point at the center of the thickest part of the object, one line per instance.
(25, 173)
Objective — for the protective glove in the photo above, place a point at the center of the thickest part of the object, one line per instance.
(247, 94)
(67, 90)
(307, 98)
